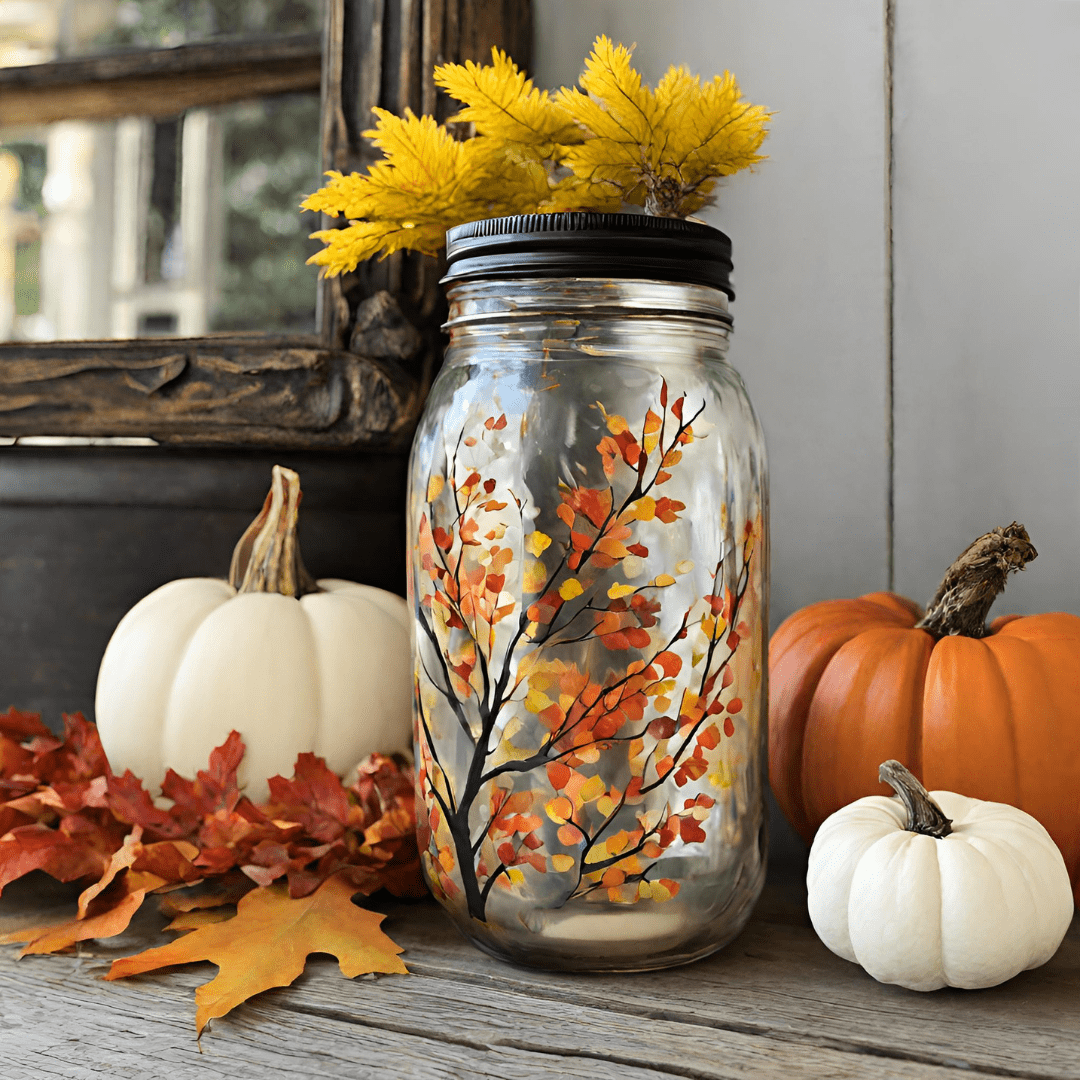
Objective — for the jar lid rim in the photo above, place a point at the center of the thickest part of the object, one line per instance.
(590, 244)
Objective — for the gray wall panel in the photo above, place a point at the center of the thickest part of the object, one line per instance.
(808, 229)
(987, 271)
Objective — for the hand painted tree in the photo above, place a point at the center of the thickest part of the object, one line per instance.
(559, 763)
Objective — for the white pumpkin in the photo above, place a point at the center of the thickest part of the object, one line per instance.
(292, 664)
(935, 889)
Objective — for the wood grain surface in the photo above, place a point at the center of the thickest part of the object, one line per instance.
(774, 1003)
(253, 390)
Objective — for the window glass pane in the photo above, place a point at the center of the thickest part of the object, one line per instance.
(178, 226)
(36, 31)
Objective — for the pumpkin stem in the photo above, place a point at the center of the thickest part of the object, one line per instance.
(267, 558)
(924, 815)
(973, 582)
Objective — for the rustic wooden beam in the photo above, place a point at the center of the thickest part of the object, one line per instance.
(249, 390)
(159, 82)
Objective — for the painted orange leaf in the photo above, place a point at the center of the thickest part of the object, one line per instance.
(268, 942)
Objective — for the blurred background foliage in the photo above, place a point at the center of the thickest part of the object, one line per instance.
(271, 158)
(163, 23)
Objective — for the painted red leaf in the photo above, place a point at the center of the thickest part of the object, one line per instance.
(663, 727)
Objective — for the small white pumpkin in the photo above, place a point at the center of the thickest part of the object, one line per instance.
(935, 889)
(292, 664)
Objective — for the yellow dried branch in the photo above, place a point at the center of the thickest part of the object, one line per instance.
(674, 142)
(427, 182)
(614, 142)
(500, 102)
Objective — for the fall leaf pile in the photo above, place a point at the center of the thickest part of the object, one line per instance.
(315, 845)
(619, 143)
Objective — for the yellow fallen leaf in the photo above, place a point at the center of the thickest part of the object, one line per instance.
(267, 944)
(192, 920)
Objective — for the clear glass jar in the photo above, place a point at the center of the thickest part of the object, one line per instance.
(589, 580)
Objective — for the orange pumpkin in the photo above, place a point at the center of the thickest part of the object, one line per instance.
(993, 711)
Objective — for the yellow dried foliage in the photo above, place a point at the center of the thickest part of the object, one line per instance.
(664, 148)
(619, 142)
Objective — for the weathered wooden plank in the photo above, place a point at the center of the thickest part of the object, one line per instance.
(434, 1024)
(778, 980)
(402, 1027)
(159, 82)
(256, 391)
(146, 1029)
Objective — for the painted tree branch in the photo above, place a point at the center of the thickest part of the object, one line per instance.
(603, 833)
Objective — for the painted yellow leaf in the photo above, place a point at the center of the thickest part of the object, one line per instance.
(535, 577)
(536, 701)
(570, 588)
(660, 893)
(561, 863)
(617, 591)
(592, 789)
(434, 487)
(616, 424)
(684, 566)
(663, 581)
(515, 876)
(537, 543)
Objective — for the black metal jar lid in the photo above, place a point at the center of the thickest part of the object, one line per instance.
(587, 244)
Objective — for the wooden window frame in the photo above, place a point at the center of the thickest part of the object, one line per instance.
(361, 380)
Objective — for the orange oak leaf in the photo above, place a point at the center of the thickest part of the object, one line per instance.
(192, 920)
(223, 890)
(268, 942)
(105, 910)
(23, 725)
(36, 847)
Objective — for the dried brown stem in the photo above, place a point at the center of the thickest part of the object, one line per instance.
(924, 815)
(267, 558)
(974, 581)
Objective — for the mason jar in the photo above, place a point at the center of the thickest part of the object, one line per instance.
(588, 578)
